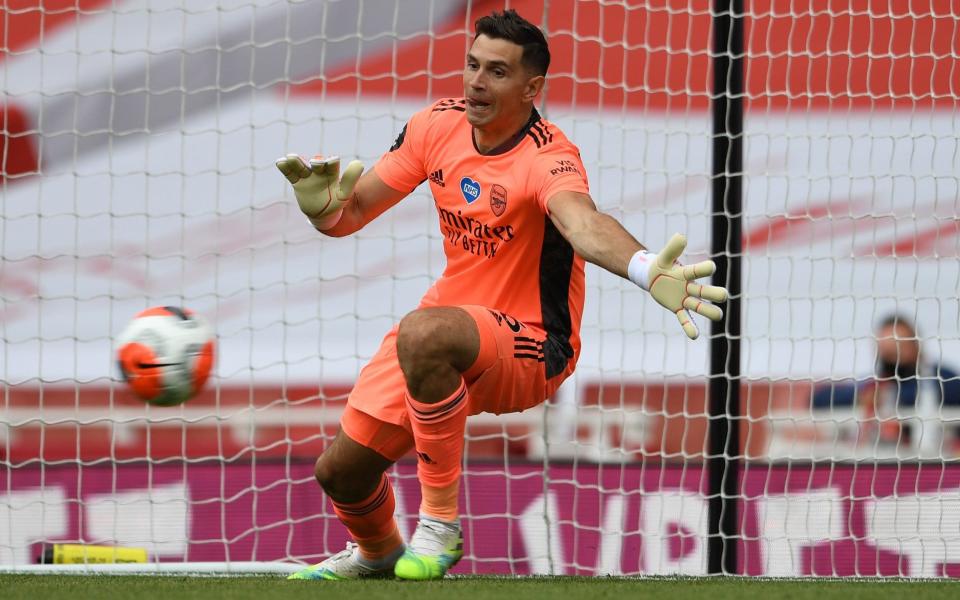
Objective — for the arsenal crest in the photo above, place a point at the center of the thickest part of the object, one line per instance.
(498, 199)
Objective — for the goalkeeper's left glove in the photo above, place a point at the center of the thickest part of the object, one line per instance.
(671, 284)
(318, 187)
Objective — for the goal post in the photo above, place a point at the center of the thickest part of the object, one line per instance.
(137, 140)
(723, 457)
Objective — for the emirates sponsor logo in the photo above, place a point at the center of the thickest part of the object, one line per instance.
(473, 235)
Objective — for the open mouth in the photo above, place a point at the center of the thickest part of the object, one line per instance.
(477, 104)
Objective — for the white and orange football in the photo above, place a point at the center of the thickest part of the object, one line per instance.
(166, 354)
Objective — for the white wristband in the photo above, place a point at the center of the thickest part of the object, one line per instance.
(327, 222)
(639, 268)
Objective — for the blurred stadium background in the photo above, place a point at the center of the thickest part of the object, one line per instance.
(137, 148)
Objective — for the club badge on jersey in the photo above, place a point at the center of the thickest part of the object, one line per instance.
(498, 199)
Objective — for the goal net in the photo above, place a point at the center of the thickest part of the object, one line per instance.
(137, 142)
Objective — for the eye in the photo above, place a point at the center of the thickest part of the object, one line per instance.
(499, 73)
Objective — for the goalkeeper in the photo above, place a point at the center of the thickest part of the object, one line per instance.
(499, 331)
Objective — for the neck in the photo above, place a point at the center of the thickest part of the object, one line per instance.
(492, 136)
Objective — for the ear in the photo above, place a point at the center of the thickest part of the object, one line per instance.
(533, 87)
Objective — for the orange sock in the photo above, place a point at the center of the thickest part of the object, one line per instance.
(440, 503)
(438, 431)
(371, 522)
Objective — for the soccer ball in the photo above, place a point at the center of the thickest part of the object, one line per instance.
(165, 354)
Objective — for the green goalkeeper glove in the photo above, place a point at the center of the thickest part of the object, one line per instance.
(318, 187)
(671, 284)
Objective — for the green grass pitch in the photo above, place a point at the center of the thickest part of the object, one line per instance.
(35, 587)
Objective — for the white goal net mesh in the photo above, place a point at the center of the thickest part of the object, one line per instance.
(137, 140)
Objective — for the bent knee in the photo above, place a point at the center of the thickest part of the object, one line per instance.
(422, 333)
(341, 482)
(442, 333)
(325, 473)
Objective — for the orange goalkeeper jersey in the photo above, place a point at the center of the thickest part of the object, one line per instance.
(502, 249)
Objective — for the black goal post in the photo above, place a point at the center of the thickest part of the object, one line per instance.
(723, 447)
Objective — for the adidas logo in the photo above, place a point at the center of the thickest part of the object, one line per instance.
(437, 177)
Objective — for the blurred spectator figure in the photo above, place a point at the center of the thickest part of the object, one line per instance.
(902, 404)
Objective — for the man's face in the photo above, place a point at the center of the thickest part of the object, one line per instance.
(897, 344)
(496, 84)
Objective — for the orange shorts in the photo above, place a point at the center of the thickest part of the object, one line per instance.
(508, 376)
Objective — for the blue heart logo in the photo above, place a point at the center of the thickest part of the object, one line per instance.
(470, 189)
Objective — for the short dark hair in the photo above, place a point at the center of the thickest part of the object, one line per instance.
(510, 26)
(894, 319)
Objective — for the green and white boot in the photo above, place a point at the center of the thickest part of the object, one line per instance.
(347, 564)
(435, 548)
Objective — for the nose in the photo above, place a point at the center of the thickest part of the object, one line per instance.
(475, 80)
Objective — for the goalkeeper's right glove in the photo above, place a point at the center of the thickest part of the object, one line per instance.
(318, 187)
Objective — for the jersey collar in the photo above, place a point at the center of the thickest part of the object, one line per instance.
(512, 142)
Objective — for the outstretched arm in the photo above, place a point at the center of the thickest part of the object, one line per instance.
(371, 198)
(602, 240)
(337, 206)
(595, 236)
